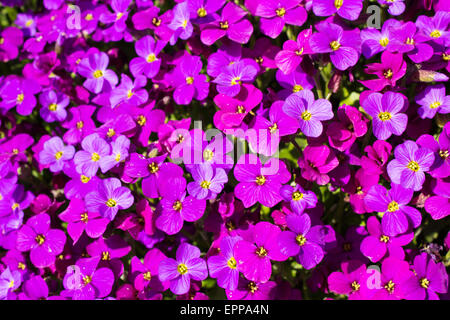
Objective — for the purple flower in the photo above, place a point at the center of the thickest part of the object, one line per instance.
(251, 290)
(291, 56)
(176, 207)
(203, 10)
(299, 198)
(145, 275)
(87, 160)
(433, 100)
(296, 81)
(230, 23)
(43, 243)
(435, 28)
(395, 7)
(230, 80)
(438, 206)
(35, 288)
(309, 112)
(85, 282)
(187, 265)
(254, 254)
(109, 198)
(93, 67)
(316, 163)
(181, 24)
(9, 282)
(259, 182)
(397, 216)
(119, 153)
(119, 17)
(347, 9)
(429, 279)
(79, 124)
(410, 164)
(342, 45)
(53, 106)
(11, 39)
(374, 40)
(276, 13)
(148, 62)
(188, 81)
(224, 266)
(79, 185)
(385, 111)
(20, 93)
(394, 273)
(377, 243)
(303, 241)
(208, 181)
(56, 154)
(128, 92)
(79, 219)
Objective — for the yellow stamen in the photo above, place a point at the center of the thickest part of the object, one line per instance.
(84, 179)
(95, 157)
(384, 42)
(338, 3)
(335, 45)
(384, 239)
(252, 287)
(111, 132)
(260, 180)
(240, 109)
(300, 239)
(151, 57)
(177, 205)
(58, 155)
(142, 120)
(20, 98)
(232, 263)
(84, 217)
(97, 74)
(106, 256)
(355, 286)
(89, 17)
(224, 25)
(111, 203)
(297, 88)
(413, 165)
(384, 116)
(435, 105)
(306, 115)
(424, 283)
(40, 239)
(80, 125)
(189, 80)
(435, 34)
(390, 286)
(156, 22)
(201, 12)
(280, 12)
(182, 268)
(208, 155)
(147, 276)
(297, 196)
(261, 252)
(205, 184)
(273, 128)
(388, 74)
(153, 167)
(393, 206)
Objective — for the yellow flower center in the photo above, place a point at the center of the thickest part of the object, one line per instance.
(335, 45)
(205, 184)
(151, 57)
(410, 41)
(111, 203)
(306, 115)
(384, 116)
(130, 93)
(224, 25)
(424, 283)
(20, 98)
(280, 12)
(148, 276)
(273, 128)
(40, 239)
(2, 40)
(58, 155)
(87, 280)
(413, 165)
(435, 105)
(392, 206)
(182, 268)
(235, 80)
(259, 60)
(445, 57)
(299, 52)
(153, 167)
(435, 34)
(232, 263)
(80, 124)
(84, 217)
(388, 74)
(156, 22)
(184, 24)
(261, 252)
(142, 120)
(89, 17)
(384, 42)
(11, 284)
(384, 239)
(21, 266)
(208, 155)
(15, 151)
(338, 3)
(390, 286)
(95, 157)
(201, 12)
(355, 286)
(300, 239)
(29, 23)
(53, 107)
(117, 158)
(260, 180)
(84, 179)
(111, 132)
(106, 256)
(252, 287)
(297, 88)
(119, 15)
(240, 109)
(98, 74)
(15, 206)
(443, 154)
(177, 205)
(297, 196)
(189, 80)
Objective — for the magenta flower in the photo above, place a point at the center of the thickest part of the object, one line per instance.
(109, 198)
(251, 290)
(342, 45)
(385, 111)
(148, 62)
(433, 100)
(316, 163)
(188, 81)
(79, 124)
(223, 267)
(93, 67)
(259, 182)
(397, 217)
(181, 24)
(429, 279)
(208, 181)
(347, 9)
(294, 82)
(275, 14)
(410, 164)
(303, 242)
(85, 282)
(56, 154)
(441, 150)
(435, 28)
(187, 265)
(255, 252)
(129, 93)
(374, 40)
(230, 23)
(291, 56)
(377, 243)
(230, 80)
(53, 106)
(394, 274)
(80, 220)
(395, 7)
(87, 161)
(12, 38)
(10, 280)
(176, 207)
(20, 93)
(391, 69)
(438, 205)
(298, 198)
(145, 274)
(43, 243)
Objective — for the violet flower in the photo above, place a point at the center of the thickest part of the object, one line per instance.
(433, 100)
(347, 9)
(56, 154)
(230, 80)
(93, 67)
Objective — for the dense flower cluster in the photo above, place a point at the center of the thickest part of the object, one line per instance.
(217, 149)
